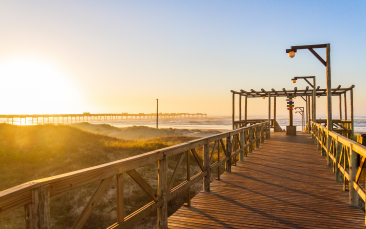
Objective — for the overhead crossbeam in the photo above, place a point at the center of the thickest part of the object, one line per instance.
(304, 92)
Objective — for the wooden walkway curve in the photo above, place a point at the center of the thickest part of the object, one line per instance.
(283, 184)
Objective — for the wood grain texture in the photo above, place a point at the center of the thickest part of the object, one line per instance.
(284, 184)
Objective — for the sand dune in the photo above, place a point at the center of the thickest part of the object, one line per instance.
(141, 132)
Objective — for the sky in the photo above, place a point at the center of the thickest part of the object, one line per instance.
(120, 56)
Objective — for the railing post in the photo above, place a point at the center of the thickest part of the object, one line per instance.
(228, 151)
(262, 132)
(246, 141)
(353, 195)
(329, 142)
(188, 178)
(338, 173)
(251, 133)
(120, 198)
(206, 165)
(162, 219)
(269, 130)
(38, 212)
(242, 143)
(257, 133)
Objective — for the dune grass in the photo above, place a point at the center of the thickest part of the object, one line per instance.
(32, 152)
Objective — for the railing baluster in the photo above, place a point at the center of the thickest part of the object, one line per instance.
(162, 219)
(344, 161)
(228, 153)
(218, 159)
(242, 141)
(338, 174)
(120, 198)
(38, 212)
(251, 134)
(206, 166)
(188, 179)
(353, 196)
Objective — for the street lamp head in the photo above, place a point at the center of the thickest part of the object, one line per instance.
(291, 54)
(294, 80)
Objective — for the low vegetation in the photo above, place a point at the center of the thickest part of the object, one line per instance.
(32, 152)
(141, 132)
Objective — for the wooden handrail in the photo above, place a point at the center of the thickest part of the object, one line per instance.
(337, 147)
(23, 195)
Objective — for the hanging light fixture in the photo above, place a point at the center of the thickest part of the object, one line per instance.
(318, 96)
(294, 80)
(291, 54)
(264, 96)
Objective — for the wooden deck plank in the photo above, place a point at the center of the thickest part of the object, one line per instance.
(283, 184)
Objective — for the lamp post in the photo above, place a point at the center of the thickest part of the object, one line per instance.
(302, 116)
(291, 52)
(313, 102)
(157, 113)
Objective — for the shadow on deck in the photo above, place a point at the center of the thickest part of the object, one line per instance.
(283, 184)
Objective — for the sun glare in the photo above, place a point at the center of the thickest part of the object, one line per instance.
(36, 87)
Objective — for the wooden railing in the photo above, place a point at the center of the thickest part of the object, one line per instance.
(243, 123)
(344, 127)
(35, 195)
(347, 157)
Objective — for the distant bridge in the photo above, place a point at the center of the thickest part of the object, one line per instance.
(86, 116)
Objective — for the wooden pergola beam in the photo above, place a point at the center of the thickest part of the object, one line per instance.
(304, 92)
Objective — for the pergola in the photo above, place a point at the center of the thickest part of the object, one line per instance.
(306, 94)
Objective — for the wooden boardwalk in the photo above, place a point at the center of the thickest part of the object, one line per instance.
(283, 184)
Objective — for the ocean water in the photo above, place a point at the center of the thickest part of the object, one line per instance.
(221, 123)
(213, 123)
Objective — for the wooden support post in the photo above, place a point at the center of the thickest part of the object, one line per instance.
(269, 118)
(246, 141)
(245, 111)
(274, 112)
(242, 143)
(228, 154)
(233, 112)
(313, 102)
(340, 107)
(38, 212)
(352, 120)
(162, 219)
(240, 108)
(218, 159)
(120, 198)
(251, 133)
(329, 143)
(329, 114)
(338, 174)
(206, 166)
(345, 106)
(353, 167)
(188, 179)
(329, 99)
(262, 132)
(309, 114)
(258, 133)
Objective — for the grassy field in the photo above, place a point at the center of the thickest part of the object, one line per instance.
(32, 152)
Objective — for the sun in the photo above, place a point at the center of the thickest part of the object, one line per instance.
(32, 86)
